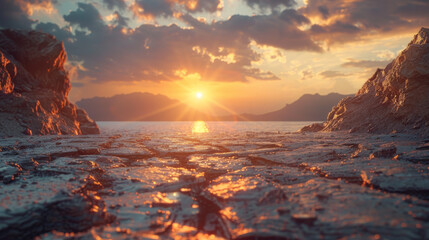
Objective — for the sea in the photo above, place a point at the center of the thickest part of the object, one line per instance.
(201, 127)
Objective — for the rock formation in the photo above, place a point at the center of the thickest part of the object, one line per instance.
(394, 99)
(34, 87)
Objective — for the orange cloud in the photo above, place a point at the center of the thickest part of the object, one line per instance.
(38, 5)
(149, 10)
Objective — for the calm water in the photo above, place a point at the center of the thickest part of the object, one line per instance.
(200, 127)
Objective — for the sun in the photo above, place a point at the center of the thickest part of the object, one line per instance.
(199, 95)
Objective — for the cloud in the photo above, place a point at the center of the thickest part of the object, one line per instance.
(16, 13)
(332, 74)
(64, 34)
(340, 21)
(120, 20)
(13, 16)
(270, 4)
(150, 9)
(306, 74)
(221, 50)
(385, 54)
(119, 4)
(291, 15)
(272, 30)
(217, 51)
(149, 52)
(29, 6)
(86, 17)
(202, 5)
(365, 63)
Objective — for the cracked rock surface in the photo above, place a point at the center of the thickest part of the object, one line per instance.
(160, 181)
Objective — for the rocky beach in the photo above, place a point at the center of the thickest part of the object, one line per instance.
(131, 184)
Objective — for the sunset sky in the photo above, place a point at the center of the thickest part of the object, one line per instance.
(249, 55)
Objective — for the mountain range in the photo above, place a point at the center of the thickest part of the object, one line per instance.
(149, 107)
(309, 107)
(139, 107)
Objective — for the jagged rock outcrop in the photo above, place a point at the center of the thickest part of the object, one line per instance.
(394, 99)
(34, 87)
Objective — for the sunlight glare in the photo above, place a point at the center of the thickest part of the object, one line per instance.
(199, 95)
(200, 127)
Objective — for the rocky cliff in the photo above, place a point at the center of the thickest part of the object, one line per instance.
(34, 87)
(394, 99)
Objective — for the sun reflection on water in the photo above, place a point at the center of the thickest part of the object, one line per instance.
(199, 127)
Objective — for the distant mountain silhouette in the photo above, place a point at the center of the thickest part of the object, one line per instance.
(150, 107)
(139, 107)
(309, 107)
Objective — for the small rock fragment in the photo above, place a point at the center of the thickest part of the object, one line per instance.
(283, 210)
(274, 196)
(27, 131)
(304, 218)
(385, 152)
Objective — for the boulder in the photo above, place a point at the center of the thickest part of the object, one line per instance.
(394, 100)
(34, 87)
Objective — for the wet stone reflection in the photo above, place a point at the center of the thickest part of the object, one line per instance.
(135, 184)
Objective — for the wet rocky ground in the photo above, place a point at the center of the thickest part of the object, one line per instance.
(126, 184)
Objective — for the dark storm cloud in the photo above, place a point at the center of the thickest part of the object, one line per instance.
(270, 4)
(353, 20)
(150, 9)
(365, 63)
(119, 4)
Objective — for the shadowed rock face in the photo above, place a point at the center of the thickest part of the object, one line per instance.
(394, 99)
(34, 87)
